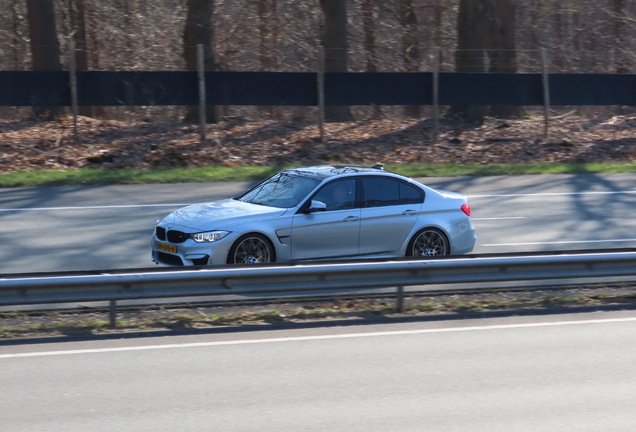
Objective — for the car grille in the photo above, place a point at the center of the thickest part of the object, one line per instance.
(172, 236)
(177, 236)
(169, 259)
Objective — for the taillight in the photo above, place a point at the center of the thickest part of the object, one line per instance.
(466, 209)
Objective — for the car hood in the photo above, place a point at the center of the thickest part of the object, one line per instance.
(217, 214)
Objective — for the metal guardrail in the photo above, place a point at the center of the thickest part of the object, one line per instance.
(286, 278)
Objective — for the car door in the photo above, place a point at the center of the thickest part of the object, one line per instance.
(389, 211)
(333, 233)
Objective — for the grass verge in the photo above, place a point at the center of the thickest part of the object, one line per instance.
(98, 176)
(33, 324)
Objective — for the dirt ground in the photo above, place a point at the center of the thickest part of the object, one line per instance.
(27, 145)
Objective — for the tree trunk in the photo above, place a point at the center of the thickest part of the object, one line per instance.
(437, 13)
(78, 29)
(558, 56)
(15, 36)
(45, 47)
(502, 52)
(334, 41)
(368, 27)
(486, 27)
(198, 30)
(268, 29)
(620, 38)
(268, 34)
(472, 24)
(410, 47)
(91, 18)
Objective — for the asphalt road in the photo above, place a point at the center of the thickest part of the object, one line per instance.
(109, 227)
(557, 373)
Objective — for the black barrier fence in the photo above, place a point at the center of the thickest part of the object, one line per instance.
(111, 88)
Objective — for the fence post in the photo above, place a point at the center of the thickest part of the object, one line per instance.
(202, 99)
(321, 93)
(436, 95)
(546, 93)
(72, 67)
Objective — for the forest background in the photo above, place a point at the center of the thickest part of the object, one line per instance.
(486, 36)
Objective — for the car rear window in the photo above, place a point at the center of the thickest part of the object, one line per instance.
(410, 194)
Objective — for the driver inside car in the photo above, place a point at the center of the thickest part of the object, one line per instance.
(338, 196)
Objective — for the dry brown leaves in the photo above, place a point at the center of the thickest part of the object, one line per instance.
(27, 145)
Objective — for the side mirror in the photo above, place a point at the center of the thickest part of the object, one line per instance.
(316, 206)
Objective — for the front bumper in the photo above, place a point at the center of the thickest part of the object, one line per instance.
(190, 253)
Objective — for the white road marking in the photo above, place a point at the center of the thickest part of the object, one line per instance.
(185, 204)
(553, 194)
(561, 242)
(312, 338)
(498, 218)
(92, 207)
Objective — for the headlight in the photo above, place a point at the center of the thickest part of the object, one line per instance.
(207, 237)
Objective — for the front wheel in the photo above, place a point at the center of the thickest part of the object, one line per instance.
(251, 249)
(428, 242)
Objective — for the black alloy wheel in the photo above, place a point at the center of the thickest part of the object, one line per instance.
(251, 249)
(428, 242)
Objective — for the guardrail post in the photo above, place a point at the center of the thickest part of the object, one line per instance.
(400, 299)
(113, 314)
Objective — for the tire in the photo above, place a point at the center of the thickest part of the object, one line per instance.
(251, 249)
(428, 242)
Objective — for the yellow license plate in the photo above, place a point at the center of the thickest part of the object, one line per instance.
(167, 247)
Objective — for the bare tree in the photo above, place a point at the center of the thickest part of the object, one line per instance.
(16, 20)
(410, 46)
(486, 29)
(582, 36)
(45, 47)
(502, 50)
(78, 30)
(620, 38)
(368, 27)
(472, 25)
(335, 42)
(268, 30)
(198, 30)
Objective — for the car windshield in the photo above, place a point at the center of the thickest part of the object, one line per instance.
(283, 190)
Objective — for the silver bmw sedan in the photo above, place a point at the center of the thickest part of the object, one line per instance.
(316, 213)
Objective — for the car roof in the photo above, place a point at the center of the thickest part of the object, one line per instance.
(322, 172)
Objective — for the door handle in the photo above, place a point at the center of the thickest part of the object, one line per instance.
(409, 212)
(351, 218)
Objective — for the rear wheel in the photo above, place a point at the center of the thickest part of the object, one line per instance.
(428, 242)
(251, 249)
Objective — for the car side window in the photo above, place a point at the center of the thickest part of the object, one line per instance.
(338, 195)
(381, 192)
(410, 194)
